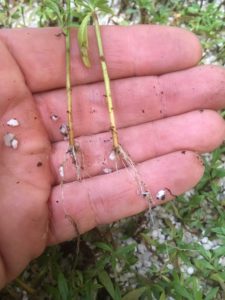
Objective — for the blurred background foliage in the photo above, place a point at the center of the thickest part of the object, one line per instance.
(182, 255)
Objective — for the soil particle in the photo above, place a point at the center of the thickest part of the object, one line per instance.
(161, 195)
(112, 155)
(13, 122)
(10, 140)
(54, 118)
(64, 130)
(39, 164)
(107, 170)
(93, 111)
(183, 152)
(14, 144)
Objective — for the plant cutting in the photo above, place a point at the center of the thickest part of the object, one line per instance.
(91, 10)
(64, 16)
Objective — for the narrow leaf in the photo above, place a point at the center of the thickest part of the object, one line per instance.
(212, 294)
(63, 286)
(135, 294)
(182, 291)
(107, 283)
(83, 40)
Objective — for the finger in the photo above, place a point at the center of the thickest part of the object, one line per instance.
(200, 131)
(137, 100)
(129, 51)
(107, 198)
(12, 87)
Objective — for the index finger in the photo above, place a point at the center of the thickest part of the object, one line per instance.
(130, 51)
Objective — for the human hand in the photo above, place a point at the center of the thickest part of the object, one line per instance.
(164, 122)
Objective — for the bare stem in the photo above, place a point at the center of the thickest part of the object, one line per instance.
(107, 84)
(73, 149)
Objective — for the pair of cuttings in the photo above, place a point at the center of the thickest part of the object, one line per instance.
(88, 11)
(92, 8)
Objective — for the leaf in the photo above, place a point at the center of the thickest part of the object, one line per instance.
(107, 283)
(219, 251)
(219, 230)
(104, 246)
(203, 264)
(212, 294)
(122, 251)
(220, 278)
(182, 291)
(163, 296)
(53, 6)
(63, 286)
(83, 40)
(135, 294)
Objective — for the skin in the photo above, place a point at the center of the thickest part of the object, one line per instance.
(165, 107)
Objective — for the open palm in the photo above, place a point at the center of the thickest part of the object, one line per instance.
(164, 107)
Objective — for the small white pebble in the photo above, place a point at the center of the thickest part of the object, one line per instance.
(170, 267)
(155, 233)
(147, 264)
(64, 130)
(8, 137)
(13, 123)
(61, 171)
(205, 240)
(54, 117)
(141, 248)
(161, 240)
(190, 270)
(107, 170)
(222, 261)
(112, 155)
(14, 143)
(10, 140)
(207, 246)
(161, 195)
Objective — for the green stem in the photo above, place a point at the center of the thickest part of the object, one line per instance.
(107, 84)
(68, 79)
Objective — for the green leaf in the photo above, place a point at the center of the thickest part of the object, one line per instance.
(103, 6)
(203, 264)
(83, 40)
(104, 246)
(135, 294)
(182, 291)
(219, 251)
(212, 294)
(53, 5)
(163, 296)
(63, 286)
(107, 283)
(220, 278)
(219, 230)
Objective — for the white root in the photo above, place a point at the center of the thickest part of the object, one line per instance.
(134, 172)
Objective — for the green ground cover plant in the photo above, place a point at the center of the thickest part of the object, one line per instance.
(187, 253)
